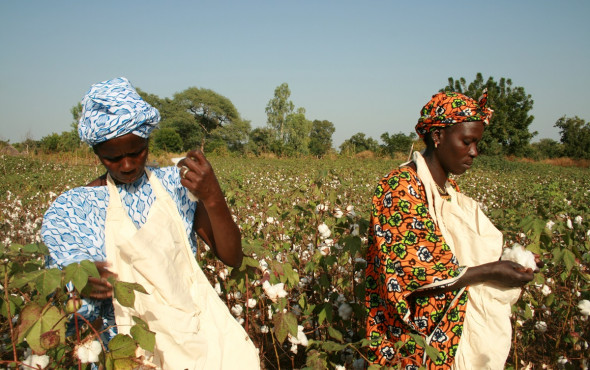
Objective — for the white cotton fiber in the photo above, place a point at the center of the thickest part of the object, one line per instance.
(520, 255)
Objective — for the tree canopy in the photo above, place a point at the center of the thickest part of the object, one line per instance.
(575, 137)
(508, 132)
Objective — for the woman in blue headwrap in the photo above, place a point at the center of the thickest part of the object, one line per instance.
(140, 224)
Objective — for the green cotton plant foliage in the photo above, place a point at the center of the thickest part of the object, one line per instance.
(78, 273)
(122, 346)
(124, 292)
(284, 324)
(541, 207)
(43, 330)
(334, 333)
(45, 281)
(144, 337)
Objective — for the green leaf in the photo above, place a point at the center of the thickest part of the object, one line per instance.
(285, 323)
(78, 273)
(122, 346)
(49, 329)
(48, 281)
(144, 337)
(334, 333)
(325, 313)
(28, 316)
(569, 259)
(125, 292)
(23, 279)
(331, 346)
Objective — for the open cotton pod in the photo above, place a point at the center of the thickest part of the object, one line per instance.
(176, 160)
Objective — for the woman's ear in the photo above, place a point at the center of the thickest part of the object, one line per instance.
(436, 136)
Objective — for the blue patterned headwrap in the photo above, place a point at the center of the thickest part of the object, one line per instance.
(113, 108)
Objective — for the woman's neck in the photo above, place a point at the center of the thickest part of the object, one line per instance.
(439, 175)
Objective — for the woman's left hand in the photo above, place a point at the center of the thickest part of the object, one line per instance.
(196, 174)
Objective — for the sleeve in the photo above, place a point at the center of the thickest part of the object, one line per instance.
(73, 231)
(73, 228)
(407, 250)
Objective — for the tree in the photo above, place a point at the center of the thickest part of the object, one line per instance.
(262, 140)
(296, 134)
(397, 143)
(359, 143)
(547, 148)
(575, 137)
(168, 140)
(508, 132)
(208, 109)
(320, 137)
(278, 109)
(234, 135)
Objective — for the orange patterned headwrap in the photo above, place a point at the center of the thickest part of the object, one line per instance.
(449, 108)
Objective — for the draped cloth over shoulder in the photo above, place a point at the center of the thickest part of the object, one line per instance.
(474, 240)
(194, 329)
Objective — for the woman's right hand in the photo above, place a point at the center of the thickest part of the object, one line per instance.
(506, 273)
(100, 288)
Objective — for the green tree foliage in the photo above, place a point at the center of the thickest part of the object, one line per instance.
(546, 148)
(359, 143)
(278, 109)
(320, 137)
(208, 109)
(168, 140)
(575, 137)
(233, 136)
(262, 140)
(297, 131)
(397, 142)
(508, 132)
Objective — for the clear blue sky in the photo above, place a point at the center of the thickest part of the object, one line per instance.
(366, 66)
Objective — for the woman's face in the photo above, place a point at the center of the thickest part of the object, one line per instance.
(124, 157)
(457, 146)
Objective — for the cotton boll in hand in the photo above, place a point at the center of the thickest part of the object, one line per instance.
(521, 256)
(191, 196)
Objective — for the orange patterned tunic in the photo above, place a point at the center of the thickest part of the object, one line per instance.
(408, 253)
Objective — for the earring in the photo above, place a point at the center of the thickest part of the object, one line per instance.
(435, 145)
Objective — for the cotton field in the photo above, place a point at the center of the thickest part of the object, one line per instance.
(300, 291)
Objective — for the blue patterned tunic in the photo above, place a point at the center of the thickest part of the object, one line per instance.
(74, 226)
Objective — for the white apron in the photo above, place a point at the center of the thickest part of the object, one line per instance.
(194, 329)
(474, 240)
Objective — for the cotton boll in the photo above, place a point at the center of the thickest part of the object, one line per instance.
(578, 220)
(251, 303)
(321, 208)
(584, 307)
(345, 310)
(324, 231)
(264, 329)
(541, 326)
(301, 337)
(88, 351)
(520, 255)
(237, 310)
(338, 212)
(549, 224)
(274, 292)
(35, 361)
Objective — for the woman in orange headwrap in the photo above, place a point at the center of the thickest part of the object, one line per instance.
(434, 276)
